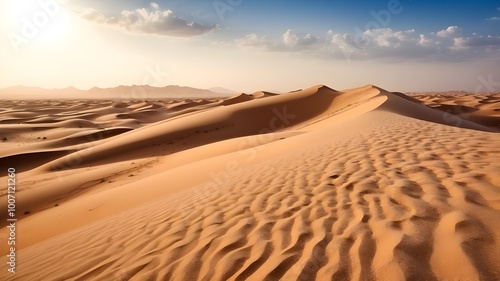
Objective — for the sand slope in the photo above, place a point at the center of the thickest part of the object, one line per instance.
(482, 108)
(317, 184)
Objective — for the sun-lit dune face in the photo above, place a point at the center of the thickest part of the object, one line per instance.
(314, 184)
(182, 140)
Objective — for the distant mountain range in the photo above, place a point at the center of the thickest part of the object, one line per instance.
(120, 92)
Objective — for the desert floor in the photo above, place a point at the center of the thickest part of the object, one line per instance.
(316, 184)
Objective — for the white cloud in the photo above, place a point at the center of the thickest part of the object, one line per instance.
(155, 6)
(290, 42)
(493, 19)
(477, 41)
(151, 21)
(382, 38)
(385, 37)
(452, 31)
(293, 40)
(253, 40)
(383, 44)
(428, 41)
(386, 43)
(290, 38)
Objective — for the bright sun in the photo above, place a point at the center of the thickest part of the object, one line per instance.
(35, 20)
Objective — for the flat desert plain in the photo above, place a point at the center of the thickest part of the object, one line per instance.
(315, 184)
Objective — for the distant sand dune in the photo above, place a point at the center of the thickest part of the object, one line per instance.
(480, 108)
(317, 184)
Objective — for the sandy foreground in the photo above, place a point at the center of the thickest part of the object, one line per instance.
(316, 184)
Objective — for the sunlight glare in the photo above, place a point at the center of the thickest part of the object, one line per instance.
(37, 20)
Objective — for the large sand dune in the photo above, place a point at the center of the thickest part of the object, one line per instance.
(316, 184)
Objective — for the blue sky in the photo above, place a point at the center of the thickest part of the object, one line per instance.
(337, 14)
(249, 45)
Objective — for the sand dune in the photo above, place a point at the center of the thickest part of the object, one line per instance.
(315, 184)
(482, 108)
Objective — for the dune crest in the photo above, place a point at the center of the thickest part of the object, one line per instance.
(316, 184)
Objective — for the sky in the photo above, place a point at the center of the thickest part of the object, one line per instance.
(251, 45)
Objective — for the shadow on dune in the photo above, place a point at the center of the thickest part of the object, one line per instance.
(243, 115)
(410, 107)
(241, 119)
(28, 161)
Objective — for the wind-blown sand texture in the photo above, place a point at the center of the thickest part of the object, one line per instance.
(316, 184)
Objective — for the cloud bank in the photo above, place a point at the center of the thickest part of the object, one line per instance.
(382, 43)
(151, 20)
